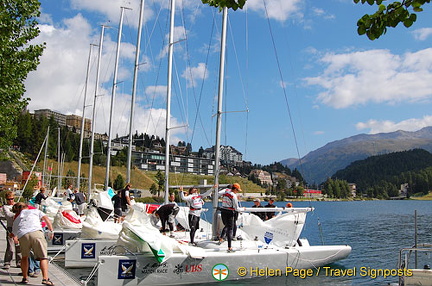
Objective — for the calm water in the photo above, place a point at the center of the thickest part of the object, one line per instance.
(376, 231)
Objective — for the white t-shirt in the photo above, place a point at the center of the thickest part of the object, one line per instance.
(27, 221)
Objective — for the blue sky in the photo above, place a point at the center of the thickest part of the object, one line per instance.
(298, 67)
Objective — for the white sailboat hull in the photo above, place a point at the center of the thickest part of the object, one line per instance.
(216, 264)
(57, 243)
(85, 252)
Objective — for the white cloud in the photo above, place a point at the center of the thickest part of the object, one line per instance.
(279, 10)
(385, 126)
(193, 74)
(322, 13)
(179, 33)
(156, 91)
(58, 83)
(422, 34)
(376, 76)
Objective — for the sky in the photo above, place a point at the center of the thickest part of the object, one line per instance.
(297, 74)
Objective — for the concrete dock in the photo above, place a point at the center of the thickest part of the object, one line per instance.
(12, 276)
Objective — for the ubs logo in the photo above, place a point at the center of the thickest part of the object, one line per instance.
(126, 269)
(57, 239)
(88, 250)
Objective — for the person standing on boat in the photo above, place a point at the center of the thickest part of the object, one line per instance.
(11, 247)
(69, 194)
(116, 200)
(270, 204)
(79, 200)
(195, 202)
(27, 229)
(257, 204)
(229, 210)
(39, 197)
(125, 198)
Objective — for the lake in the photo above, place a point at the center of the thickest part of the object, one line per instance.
(376, 231)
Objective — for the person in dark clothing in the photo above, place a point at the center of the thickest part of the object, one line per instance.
(167, 214)
(125, 197)
(39, 197)
(257, 204)
(79, 200)
(117, 202)
(270, 204)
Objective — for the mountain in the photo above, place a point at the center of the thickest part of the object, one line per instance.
(322, 163)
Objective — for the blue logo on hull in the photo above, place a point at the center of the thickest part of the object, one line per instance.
(88, 250)
(126, 269)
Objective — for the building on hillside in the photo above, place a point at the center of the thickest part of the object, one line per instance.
(75, 121)
(264, 177)
(228, 155)
(154, 161)
(48, 113)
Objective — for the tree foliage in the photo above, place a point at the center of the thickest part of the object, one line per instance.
(233, 4)
(375, 25)
(382, 176)
(18, 26)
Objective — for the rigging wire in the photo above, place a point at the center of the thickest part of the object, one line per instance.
(283, 86)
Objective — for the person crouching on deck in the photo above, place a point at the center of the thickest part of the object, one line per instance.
(195, 203)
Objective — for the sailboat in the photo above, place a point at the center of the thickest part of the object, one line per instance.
(268, 248)
(98, 235)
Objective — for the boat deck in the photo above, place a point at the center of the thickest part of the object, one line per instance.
(12, 276)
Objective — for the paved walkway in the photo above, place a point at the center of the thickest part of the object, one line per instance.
(12, 276)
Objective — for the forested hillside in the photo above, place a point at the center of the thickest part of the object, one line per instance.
(381, 176)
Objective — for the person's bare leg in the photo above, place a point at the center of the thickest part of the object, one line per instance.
(44, 268)
(24, 266)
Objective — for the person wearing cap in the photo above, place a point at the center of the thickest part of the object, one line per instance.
(257, 204)
(270, 204)
(195, 202)
(289, 205)
(229, 210)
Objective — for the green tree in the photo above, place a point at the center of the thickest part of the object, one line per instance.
(390, 15)
(160, 178)
(119, 182)
(153, 189)
(233, 4)
(30, 187)
(18, 27)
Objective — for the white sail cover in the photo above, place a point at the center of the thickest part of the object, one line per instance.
(282, 230)
(139, 235)
(67, 219)
(95, 228)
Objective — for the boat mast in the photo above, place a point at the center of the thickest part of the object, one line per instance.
(94, 111)
(219, 118)
(134, 84)
(114, 87)
(83, 120)
(59, 161)
(168, 105)
(45, 159)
